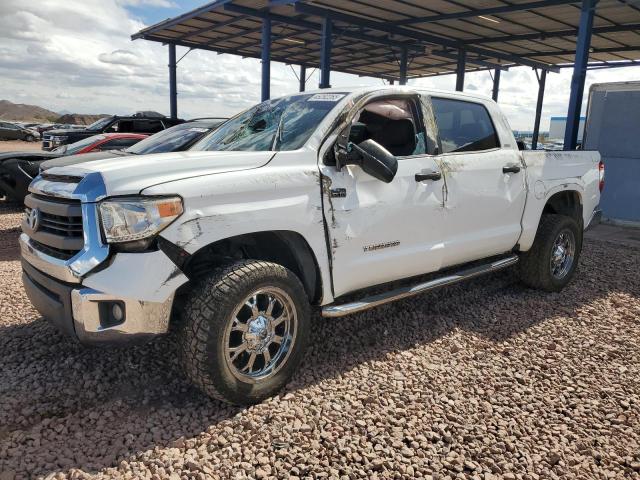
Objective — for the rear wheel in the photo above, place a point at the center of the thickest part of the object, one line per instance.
(553, 258)
(247, 328)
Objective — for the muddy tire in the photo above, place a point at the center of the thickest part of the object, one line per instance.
(553, 258)
(246, 328)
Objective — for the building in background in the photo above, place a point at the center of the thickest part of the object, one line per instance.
(557, 126)
(613, 122)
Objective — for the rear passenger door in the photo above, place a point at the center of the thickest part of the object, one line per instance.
(484, 201)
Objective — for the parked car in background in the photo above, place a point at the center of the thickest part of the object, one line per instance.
(146, 123)
(175, 139)
(338, 200)
(11, 131)
(17, 169)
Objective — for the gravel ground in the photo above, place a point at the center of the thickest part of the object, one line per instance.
(20, 146)
(485, 380)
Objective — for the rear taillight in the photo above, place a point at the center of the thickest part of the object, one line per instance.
(601, 175)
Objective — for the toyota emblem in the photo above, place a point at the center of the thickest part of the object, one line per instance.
(33, 219)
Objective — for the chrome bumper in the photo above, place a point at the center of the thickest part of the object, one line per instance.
(142, 321)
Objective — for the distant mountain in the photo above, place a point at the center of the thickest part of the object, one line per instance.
(79, 118)
(20, 112)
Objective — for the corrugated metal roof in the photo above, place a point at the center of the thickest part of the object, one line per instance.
(368, 35)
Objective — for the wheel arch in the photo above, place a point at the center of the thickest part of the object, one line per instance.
(284, 247)
(567, 203)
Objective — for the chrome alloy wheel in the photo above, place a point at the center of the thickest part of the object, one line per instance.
(563, 254)
(260, 334)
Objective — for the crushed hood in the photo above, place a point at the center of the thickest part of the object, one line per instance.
(133, 173)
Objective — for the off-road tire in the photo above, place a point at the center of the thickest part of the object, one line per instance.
(534, 266)
(208, 309)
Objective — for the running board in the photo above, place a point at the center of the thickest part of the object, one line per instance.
(409, 291)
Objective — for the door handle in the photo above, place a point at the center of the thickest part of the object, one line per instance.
(513, 168)
(421, 177)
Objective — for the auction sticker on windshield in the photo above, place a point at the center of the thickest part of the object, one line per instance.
(326, 97)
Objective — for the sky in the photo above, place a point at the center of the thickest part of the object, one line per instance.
(78, 56)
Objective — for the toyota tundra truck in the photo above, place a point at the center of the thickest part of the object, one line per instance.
(334, 201)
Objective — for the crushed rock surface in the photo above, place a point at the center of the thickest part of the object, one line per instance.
(485, 380)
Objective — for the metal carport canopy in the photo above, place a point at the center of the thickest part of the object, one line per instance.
(402, 39)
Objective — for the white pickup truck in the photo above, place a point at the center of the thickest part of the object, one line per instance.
(337, 201)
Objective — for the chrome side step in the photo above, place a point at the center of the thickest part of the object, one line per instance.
(409, 291)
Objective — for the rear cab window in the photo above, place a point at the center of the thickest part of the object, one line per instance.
(464, 126)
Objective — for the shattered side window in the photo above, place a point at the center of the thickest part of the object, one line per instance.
(281, 124)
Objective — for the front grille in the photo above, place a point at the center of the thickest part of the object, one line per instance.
(58, 231)
(53, 251)
(58, 224)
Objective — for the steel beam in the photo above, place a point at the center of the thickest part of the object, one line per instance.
(325, 53)
(244, 54)
(630, 27)
(303, 77)
(579, 73)
(266, 58)
(593, 51)
(460, 68)
(211, 26)
(496, 84)
(388, 27)
(476, 61)
(485, 11)
(542, 80)
(403, 66)
(173, 83)
(339, 32)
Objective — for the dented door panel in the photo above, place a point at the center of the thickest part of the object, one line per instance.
(381, 232)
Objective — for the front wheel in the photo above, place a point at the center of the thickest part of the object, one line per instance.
(30, 138)
(247, 328)
(553, 258)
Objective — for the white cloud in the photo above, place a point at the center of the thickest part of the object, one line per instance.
(151, 3)
(77, 55)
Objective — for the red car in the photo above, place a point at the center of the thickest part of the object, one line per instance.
(17, 169)
(96, 143)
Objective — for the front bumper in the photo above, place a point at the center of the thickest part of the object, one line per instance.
(142, 284)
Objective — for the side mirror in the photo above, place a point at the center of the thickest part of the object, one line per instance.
(521, 145)
(374, 159)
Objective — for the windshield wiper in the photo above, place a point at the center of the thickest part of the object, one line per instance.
(277, 138)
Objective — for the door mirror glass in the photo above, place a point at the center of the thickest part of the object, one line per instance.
(374, 159)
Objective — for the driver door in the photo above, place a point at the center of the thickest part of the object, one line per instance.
(380, 232)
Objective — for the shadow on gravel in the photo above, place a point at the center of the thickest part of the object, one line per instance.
(63, 406)
(9, 248)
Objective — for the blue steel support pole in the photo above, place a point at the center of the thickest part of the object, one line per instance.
(325, 53)
(173, 86)
(403, 66)
(579, 73)
(496, 84)
(536, 124)
(266, 58)
(462, 59)
(303, 77)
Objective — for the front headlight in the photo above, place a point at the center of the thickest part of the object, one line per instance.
(59, 138)
(137, 218)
